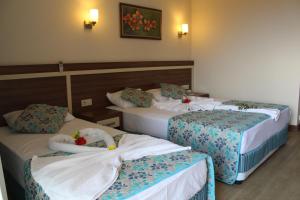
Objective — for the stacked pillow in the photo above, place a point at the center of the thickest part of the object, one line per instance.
(115, 98)
(137, 97)
(38, 118)
(157, 95)
(130, 97)
(172, 90)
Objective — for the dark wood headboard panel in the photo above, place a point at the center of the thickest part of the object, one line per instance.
(119, 65)
(96, 86)
(42, 68)
(17, 94)
(27, 69)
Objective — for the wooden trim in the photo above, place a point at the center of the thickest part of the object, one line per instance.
(87, 72)
(54, 68)
(69, 93)
(27, 69)
(118, 65)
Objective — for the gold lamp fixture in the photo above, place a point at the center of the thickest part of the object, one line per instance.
(184, 30)
(92, 19)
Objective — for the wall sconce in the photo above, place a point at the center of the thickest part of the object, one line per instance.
(184, 30)
(92, 19)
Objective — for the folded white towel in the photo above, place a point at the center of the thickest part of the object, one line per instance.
(196, 104)
(86, 176)
(65, 143)
(203, 104)
(273, 113)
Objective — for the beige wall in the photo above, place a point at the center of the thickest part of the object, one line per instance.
(248, 50)
(46, 31)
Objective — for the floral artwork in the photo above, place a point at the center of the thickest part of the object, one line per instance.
(140, 22)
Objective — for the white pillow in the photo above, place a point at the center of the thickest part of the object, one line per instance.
(69, 117)
(11, 117)
(157, 95)
(115, 98)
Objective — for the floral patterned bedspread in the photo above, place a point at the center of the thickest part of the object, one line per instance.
(217, 133)
(137, 175)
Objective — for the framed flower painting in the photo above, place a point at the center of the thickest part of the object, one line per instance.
(140, 22)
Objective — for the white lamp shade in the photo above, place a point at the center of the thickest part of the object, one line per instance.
(94, 15)
(184, 28)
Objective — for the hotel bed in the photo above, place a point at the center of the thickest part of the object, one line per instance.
(258, 141)
(193, 181)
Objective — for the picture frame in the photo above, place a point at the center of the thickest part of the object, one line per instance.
(140, 22)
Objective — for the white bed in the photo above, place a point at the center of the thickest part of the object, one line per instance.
(16, 148)
(154, 122)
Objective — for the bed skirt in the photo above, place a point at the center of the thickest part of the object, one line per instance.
(249, 160)
(202, 195)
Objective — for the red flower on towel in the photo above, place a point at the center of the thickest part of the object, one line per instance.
(80, 141)
(186, 100)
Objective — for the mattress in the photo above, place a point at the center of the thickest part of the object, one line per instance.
(154, 122)
(16, 148)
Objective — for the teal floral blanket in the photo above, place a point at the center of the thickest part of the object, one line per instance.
(137, 175)
(217, 133)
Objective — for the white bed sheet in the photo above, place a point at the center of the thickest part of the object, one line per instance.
(15, 149)
(154, 122)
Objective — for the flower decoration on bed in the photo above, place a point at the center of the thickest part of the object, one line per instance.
(186, 100)
(79, 140)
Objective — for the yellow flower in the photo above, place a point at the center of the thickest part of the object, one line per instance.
(76, 135)
(112, 147)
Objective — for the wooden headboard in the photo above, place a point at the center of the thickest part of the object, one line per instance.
(68, 84)
(19, 93)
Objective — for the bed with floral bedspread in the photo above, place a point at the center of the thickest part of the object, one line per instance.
(138, 175)
(219, 133)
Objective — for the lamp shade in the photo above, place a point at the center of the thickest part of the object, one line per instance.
(94, 15)
(184, 28)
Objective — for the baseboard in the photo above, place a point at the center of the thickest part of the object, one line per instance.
(294, 128)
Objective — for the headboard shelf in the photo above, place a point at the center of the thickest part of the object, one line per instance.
(119, 65)
(69, 67)
(28, 69)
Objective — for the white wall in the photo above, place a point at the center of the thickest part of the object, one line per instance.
(46, 31)
(248, 50)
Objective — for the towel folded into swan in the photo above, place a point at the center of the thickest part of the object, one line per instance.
(66, 143)
(87, 175)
